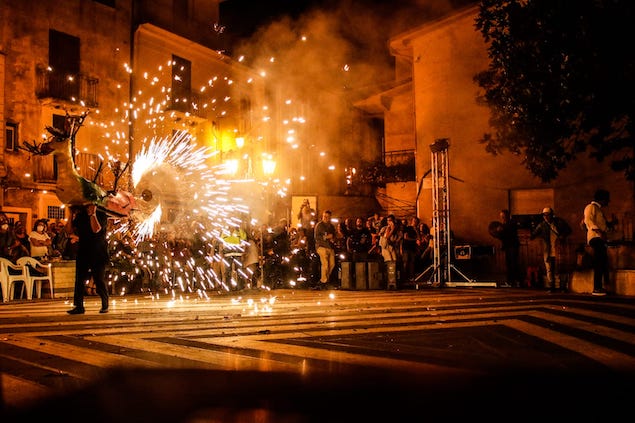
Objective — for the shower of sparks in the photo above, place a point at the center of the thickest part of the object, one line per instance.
(172, 242)
(175, 240)
(164, 167)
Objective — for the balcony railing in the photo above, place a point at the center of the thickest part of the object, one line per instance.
(44, 170)
(190, 104)
(397, 166)
(71, 89)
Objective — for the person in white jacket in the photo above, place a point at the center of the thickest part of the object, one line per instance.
(597, 227)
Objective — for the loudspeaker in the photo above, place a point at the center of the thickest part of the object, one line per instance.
(375, 275)
(361, 280)
(348, 277)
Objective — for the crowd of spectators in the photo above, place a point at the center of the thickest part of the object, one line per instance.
(238, 257)
(48, 239)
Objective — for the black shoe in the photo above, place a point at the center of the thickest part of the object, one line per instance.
(76, 310)
(104, 310)
(599, 292)
(319, 286)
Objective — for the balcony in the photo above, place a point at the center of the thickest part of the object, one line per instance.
(188, 108)
(400, 166)
(397, 166)
(61, 88)
(45, 172)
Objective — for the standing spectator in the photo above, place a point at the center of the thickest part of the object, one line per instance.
(425, 245)
(410, 250)
(552, 232)
(8, 242)
(293, 236)
(40, 240)
(92, 255)
(282, 239)
(324, 238)
(60, 239)
(51, 230)
(72, 244)
(378, 222)
(300, 256)
(20, 234)
(251, 260)
(349, 225)
(341, 237)
(423, 229)
(359, 241)
(300, 240)
(233, 240)
(507, 231)
(306, 218)
(390, 238)
(374, 250)
(597, 227)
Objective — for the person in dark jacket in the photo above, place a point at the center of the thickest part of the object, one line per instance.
(90, 225)
(507, 231)
(551, 232)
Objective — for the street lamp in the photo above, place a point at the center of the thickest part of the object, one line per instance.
(268, 165)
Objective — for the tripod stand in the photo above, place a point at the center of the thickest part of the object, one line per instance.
(442, 266)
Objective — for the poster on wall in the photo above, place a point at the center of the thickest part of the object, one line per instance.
(297, 203)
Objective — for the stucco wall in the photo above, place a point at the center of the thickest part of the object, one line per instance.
(446, 56)
(104, 34)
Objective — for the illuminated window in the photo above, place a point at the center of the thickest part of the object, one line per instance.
(54, 212)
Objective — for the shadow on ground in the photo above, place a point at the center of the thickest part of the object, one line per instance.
(231, 396)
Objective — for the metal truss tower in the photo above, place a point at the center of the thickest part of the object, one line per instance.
(442, 265)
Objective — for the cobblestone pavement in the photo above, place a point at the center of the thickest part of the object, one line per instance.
(296, 355)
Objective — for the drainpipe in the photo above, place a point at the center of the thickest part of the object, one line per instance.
(133, 25)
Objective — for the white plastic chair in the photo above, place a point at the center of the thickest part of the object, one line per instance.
(10, 274)
(33, 269)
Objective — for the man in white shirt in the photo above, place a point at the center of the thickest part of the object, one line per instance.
(597, 227)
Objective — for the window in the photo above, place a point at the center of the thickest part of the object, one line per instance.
(64, 62)
(11, 136)
(54, 212)
(181, 83)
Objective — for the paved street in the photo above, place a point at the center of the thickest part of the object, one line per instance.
(297, 355)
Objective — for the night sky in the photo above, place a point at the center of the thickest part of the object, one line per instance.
(242, 18)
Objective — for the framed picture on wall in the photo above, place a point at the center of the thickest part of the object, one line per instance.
(297, 203)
